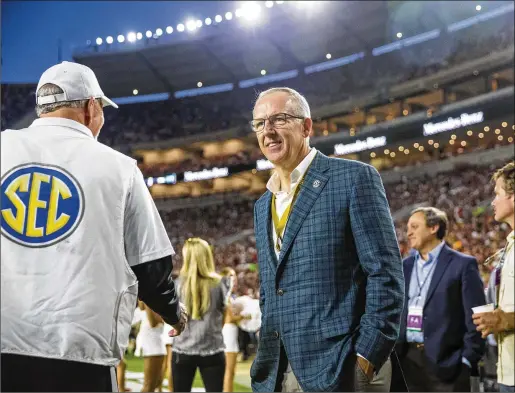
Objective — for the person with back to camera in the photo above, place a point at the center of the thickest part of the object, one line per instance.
(205, 295)
(81, 240)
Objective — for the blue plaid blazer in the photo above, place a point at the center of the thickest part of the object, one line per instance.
(337, 287)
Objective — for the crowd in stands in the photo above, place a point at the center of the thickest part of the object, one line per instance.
(17, 100)
(198, 163)
(465, 196)
(147, 122)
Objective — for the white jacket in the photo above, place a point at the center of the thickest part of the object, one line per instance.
(75, 215)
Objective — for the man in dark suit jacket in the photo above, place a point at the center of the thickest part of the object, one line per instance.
(329, 263)
(438, 345)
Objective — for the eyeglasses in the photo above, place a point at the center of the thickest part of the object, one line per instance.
(277, 120)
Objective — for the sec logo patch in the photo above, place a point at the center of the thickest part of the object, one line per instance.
(41, 205)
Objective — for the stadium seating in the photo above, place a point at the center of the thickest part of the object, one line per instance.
(464, 195)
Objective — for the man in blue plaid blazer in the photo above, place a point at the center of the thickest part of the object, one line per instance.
(332, 286)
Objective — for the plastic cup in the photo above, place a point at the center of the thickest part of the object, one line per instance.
(482, 309)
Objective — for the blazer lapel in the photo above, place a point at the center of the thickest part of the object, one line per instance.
(442, 263)
(314, 182)
(265, 219)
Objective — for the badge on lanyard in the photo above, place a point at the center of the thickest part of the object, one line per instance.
(498, 272)
(415, 315)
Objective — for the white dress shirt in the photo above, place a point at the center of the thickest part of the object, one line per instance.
(283, 198)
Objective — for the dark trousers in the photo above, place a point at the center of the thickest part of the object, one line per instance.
(243, 342)
(212, 369)
(420, 376)
(36, 374)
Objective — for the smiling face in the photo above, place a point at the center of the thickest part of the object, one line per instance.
(282, 144)
(419, 234)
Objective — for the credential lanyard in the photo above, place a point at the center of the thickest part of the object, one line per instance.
(280, 223)
(421, 287)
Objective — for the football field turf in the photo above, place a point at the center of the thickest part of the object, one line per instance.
(134, 376)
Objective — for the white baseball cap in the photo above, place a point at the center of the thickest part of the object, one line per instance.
(77, 81)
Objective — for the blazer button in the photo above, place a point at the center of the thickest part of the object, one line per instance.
(280, 292)
(276, 334)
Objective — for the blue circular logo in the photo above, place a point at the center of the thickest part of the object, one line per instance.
(41, 205)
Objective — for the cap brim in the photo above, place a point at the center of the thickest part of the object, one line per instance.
(108, 102)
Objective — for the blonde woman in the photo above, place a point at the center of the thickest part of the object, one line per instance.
(151, 346)
(230, 332)
(204, 294)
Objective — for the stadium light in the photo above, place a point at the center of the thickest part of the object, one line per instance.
(121, 38)
(148, 34)
(109, 40)
(269, 4)
(88, 42)
(131, 37)
(251, 10)
(399, 35)
(199, 84)
(139, 36)
(199, 23)
(263, 72)
(478, 7)
(218, 18)
(135, 92)
(238, 13)
(228, 15)
(169, 30)
(328, 56)
(180, 27)
(99, 41)
(159, 32)
(191, 25)
(208, 21)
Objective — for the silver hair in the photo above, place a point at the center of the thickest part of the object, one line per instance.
(49, 90)
(296, 101)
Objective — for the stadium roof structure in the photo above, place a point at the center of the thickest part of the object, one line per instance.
(288, 39)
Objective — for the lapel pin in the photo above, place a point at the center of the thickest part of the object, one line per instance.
(316, 183)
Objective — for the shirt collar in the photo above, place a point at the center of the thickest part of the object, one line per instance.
(511, 237)
(274, 183)
(433, 254)
(62, 122)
